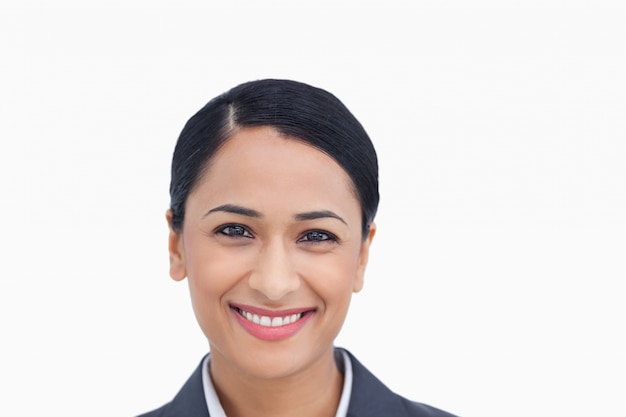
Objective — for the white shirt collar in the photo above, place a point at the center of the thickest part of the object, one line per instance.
(216, 410)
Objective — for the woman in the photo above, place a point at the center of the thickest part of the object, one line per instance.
(273, 195)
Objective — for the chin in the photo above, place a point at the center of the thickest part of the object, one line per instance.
(272, 361)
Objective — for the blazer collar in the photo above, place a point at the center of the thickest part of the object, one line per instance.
(369, 398)
(190, 400)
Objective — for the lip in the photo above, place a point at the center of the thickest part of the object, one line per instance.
(271, 333)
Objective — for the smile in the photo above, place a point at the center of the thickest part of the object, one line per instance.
(268, 321)
(271, 325)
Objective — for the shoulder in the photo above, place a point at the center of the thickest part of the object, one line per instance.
(189, 402)
(370, 397)
(415, 409)
(159, 412)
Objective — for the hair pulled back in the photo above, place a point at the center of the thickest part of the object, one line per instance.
(309, 114)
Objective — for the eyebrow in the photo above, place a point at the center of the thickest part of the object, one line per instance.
(243, 211)
(321, 214)
(235, 209)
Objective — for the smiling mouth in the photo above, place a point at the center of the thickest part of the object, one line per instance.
(267, 321)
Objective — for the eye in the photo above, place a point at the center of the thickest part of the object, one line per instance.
(317, 236)
(234, 230)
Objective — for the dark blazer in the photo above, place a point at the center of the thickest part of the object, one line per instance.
(369, 398)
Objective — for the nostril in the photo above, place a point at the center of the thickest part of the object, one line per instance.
(272, 286)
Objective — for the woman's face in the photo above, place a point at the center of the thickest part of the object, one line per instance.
(271, 245)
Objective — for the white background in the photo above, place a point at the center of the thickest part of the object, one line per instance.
(496, 284)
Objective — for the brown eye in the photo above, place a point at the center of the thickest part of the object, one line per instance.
(234, 230)
(315, 236)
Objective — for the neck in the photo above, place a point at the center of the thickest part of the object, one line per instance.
(313, 391)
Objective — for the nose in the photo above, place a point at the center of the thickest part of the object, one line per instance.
(274, 274)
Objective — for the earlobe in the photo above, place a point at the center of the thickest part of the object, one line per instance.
(178, 271)
(363, 258)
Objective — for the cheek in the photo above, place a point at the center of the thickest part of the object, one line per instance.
(211, 274)
(331, 276)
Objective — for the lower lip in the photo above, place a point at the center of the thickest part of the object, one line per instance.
(272, 333)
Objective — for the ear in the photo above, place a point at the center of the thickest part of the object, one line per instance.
(363, 257)
(178, 271)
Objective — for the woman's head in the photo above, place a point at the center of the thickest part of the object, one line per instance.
(274, 189)
(295, 110)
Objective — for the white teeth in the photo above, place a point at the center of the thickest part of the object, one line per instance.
(269, 321)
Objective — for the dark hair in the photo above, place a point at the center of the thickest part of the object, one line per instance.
(294, 109)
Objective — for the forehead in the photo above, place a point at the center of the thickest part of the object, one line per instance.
(259, 162)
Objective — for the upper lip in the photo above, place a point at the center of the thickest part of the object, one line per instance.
(271, 313)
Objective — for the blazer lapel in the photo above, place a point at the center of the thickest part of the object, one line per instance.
(370, 397)
(190, 400)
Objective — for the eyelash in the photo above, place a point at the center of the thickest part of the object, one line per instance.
(326, 237)
(311, 236)
(242, 231)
